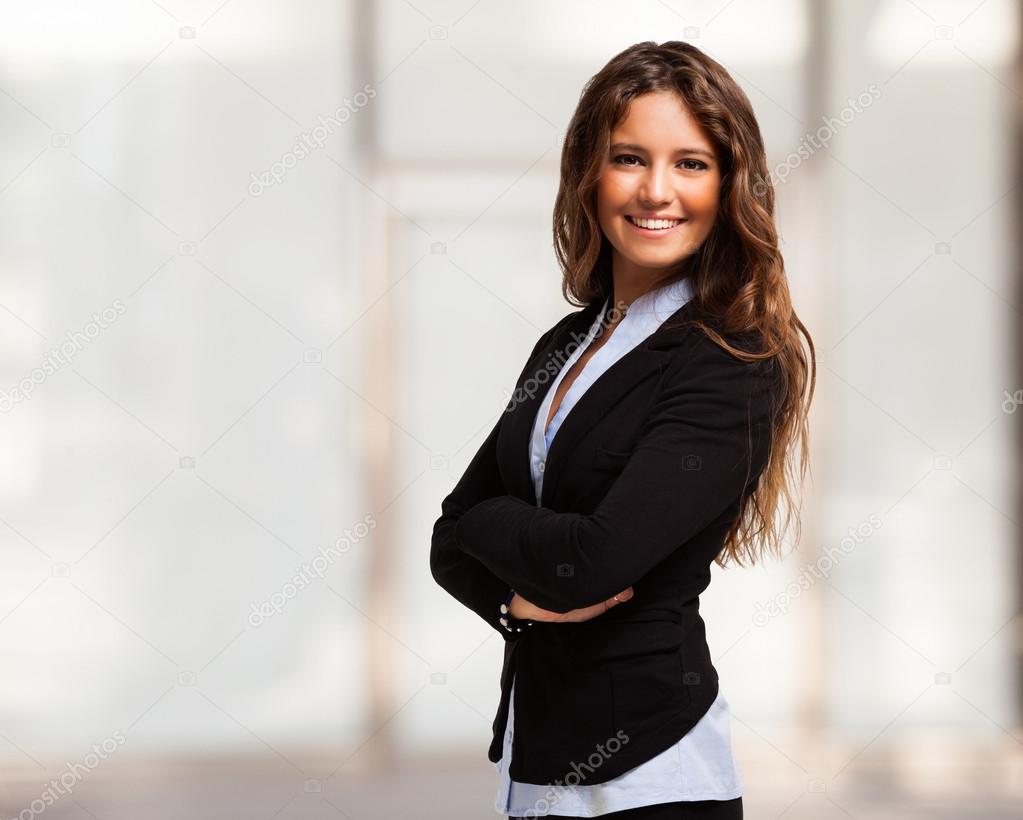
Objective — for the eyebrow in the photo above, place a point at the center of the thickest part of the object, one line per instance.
(631, 146)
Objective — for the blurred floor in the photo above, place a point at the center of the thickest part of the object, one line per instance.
(938, 785)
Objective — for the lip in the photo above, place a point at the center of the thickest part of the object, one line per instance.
(653, 233)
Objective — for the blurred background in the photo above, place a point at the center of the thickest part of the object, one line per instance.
(243, 246)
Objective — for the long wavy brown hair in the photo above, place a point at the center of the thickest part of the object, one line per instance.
(737, 275)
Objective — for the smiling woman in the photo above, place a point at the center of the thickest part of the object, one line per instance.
(650, 189)
(657, 445)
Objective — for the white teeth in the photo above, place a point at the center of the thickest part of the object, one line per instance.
(654, 224)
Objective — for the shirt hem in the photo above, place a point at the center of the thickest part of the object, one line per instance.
(583, 811)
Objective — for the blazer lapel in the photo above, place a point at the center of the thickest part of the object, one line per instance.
(648, 357)
(534, 383)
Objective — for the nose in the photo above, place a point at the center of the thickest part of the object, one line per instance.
(655, 185)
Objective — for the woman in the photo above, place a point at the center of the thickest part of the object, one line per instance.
(647, 437)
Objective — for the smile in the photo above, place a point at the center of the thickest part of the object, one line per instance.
(654, 227)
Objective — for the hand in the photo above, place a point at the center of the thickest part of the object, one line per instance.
(523, 609)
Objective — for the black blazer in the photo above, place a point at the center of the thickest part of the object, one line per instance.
(641, 483)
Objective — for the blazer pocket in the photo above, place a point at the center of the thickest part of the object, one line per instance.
(605, 459)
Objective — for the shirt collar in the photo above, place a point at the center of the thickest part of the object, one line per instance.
(655, 306)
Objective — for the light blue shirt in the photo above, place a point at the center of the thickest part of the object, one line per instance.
(700, 766)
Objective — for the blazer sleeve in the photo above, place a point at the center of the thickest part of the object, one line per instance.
(705, 441)
(464, 577)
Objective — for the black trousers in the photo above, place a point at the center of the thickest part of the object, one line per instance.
(682, 810)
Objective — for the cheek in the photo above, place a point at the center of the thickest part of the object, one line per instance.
(616, 188)
(706, 200)
(610, 197)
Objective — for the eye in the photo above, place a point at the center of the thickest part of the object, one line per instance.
(619, 160)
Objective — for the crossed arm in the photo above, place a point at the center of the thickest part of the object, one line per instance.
(464, 577)
(707, 438)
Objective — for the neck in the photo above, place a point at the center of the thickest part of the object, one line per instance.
(623, 294)
(629, 281)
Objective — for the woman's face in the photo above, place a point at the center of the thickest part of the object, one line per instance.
(661, 164)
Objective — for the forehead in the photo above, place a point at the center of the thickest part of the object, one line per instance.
(659, 120)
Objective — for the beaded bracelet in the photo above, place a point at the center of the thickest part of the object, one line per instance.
(508, 621)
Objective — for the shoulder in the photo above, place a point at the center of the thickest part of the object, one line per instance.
(702, 362)
(562, 323)
(566, 320)
(700, 347)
